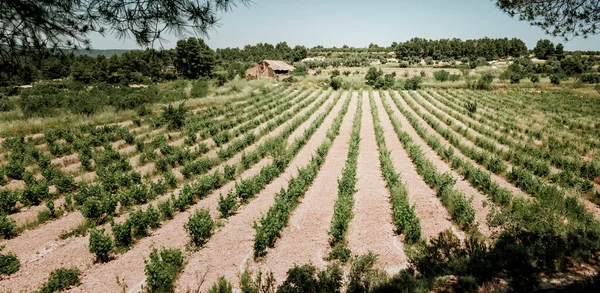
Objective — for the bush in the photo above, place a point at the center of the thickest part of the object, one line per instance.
(122, 234)
(8, 200)
(221, 286)
(372, 75)
(363, 274)
(175, 118)
(441, 75)
(413, 83)
(300, 70)
(100, 245)
(227, 204)
(483, 83)
(60, 280)
(8, 227)
(471, 107)
(515, 78)
(307, 278)
(336, 82)
(200, 88)
(166, 209)
(9, 263)
(535, 79)
(163, 268)
(200, 226)
(554, 79)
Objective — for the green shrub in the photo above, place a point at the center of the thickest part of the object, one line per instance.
(336, 82)
(363, 275)
(483, 83)
(441, 75)
(227, 204)
(166, 209)
(554, 79)
(139, 223)
(200, 227)
(8, 227)
(163, 268)
(340, 252)
(221, 286)
(535, 79)
(8, 200)
(471, 107)
(60, 280)
(372, 75)
(199, 88)
(413, 83)
(175, 118)
(9, 263)
(100, 245)
(122, 234)
(307, 278)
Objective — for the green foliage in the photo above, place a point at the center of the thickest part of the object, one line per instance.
(9, 263)
(194, 59)
(554, 79)
(100, 245)
(200, 88)
(483, 83)
(221, 286)
(406, 220)
(122, 234)
(373, 75)
(336, 82)
(363, 275)
(200, 227)
(342, 211)
(227, 204)
(175, 118)
(534, 79)
(300, 70)
(60, 280)
(544, 49)
(8, 200)
(471, 106)
(413, 83)
(441, 75)
(163, 269)
(258, 284)
(8, 227)
(307, 278)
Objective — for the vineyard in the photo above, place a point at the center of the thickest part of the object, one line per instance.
(287, 187)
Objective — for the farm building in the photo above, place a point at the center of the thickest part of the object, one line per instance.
(269, 68)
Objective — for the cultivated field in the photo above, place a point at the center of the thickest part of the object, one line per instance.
(291, 175)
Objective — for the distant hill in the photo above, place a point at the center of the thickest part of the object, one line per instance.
(107, 53)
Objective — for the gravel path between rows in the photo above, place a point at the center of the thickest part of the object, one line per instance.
(232, 246)
(371, 229)
(433, 215)
(306, 237)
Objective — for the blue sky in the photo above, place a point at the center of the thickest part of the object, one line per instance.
(358, 23)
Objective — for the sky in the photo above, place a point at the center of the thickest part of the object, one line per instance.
(359, 23)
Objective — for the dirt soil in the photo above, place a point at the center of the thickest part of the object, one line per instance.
(371, 229)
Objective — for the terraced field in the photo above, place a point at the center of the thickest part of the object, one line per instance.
(295, 175)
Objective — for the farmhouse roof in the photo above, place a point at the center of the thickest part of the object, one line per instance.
(279, 65)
